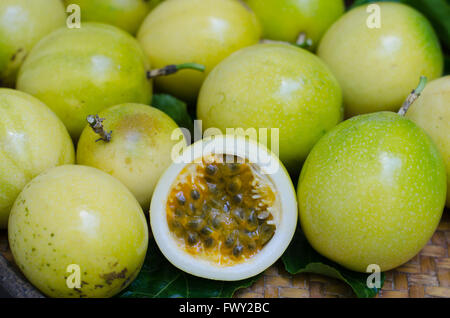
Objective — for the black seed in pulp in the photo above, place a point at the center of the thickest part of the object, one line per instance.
(237, 198)
(195, 194)
(266, 232)
(206, 231)
(192, 238)
(210, 170)
(237, 250)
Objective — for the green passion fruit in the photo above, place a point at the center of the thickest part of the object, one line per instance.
(135, 146)
(76, 231)
(296, 21)
(22, 24)
(32, 139)
(377, 67)
(200, 31)
(225, 210)
(125, 14)
(78, 72)
(273, 86)
(431, 112)
(372, 191)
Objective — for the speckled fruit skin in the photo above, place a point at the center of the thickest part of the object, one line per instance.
(200, 31)
(32, 139)
(432, 113)
(273, 86)
(139, 151)
(22, 24)
(78, 215)
(372, 191)
(78, 72)
(284, 20)
(378, 67)
(125, 14)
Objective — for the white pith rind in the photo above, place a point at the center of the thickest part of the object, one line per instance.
(269, 254)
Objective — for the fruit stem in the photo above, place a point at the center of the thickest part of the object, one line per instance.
(413, 96)
(96, 124)
(171, 69)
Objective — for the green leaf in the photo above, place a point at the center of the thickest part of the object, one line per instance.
(447, 65)
(438, 12)
(361, 2)
(300, 257)
(160, 279)
(175, 108)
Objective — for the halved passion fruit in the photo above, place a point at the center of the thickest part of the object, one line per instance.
(225, 210)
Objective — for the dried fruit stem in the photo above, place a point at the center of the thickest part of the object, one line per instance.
(171, 69)
(96, 124)
(413, 96)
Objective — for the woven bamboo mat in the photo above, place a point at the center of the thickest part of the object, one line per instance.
(426, 275)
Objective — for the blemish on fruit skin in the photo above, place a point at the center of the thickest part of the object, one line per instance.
(16, 53)
(139, 123)
(112, 276)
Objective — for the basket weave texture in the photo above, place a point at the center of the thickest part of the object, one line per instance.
(426, 275)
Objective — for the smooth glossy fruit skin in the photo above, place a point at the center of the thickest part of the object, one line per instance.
(273, 86)
(378, 67)
(83, 216)
(32, 139)
(139, 151)
(284, 20)
(22, 24)
(200, 31)
(431, 111)
(79, 72)
(125, 14)
(372, 191)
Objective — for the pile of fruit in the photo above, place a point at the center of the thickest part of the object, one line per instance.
(100, 159)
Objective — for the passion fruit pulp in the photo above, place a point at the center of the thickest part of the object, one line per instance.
(222, 215)
(222, 209)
